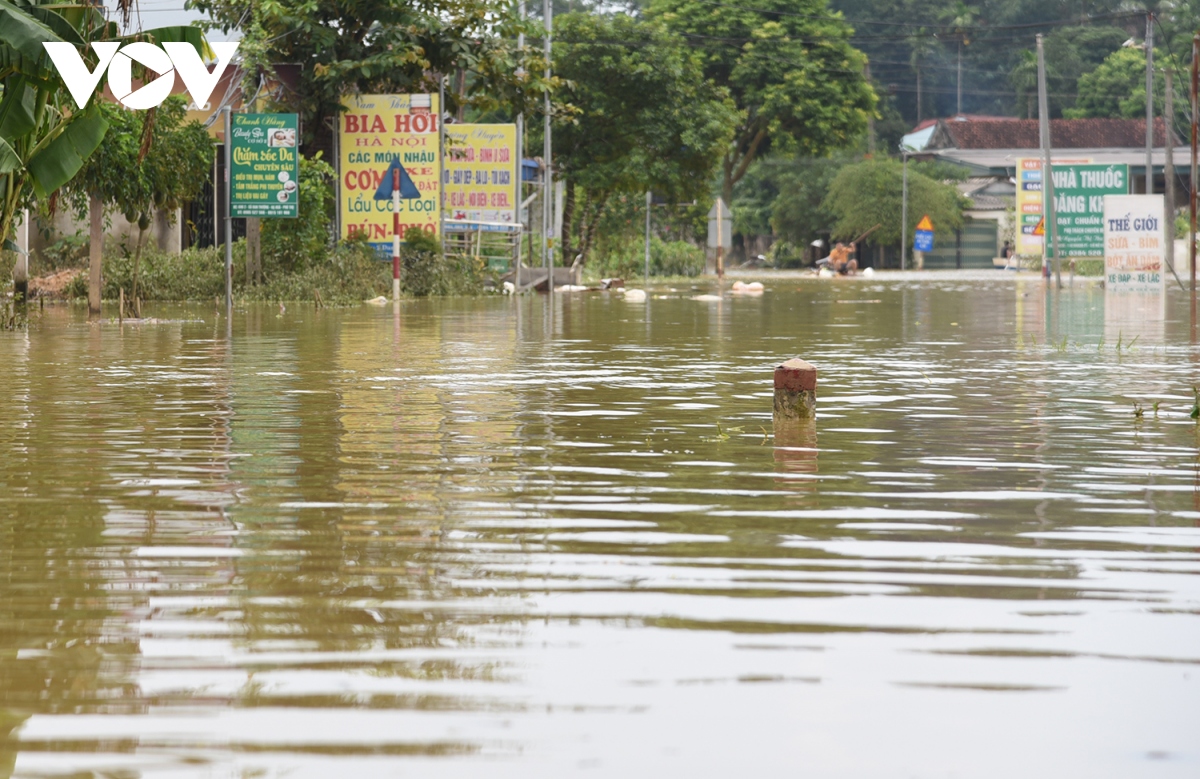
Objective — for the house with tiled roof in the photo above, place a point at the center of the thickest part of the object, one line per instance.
(989, 148)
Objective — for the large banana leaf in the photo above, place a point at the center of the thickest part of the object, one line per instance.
(17, 108)
(57, 162)
(9, 160)
(23, 33)
(52, 17)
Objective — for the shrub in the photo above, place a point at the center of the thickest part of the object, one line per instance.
(292, 245)
(426, 271)
(667, 258)
(69, 251)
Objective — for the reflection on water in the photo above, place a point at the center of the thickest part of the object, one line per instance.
(490, 536)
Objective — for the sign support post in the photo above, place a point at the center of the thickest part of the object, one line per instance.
(904, 212)
(228, 209)
(648, 198)
(396, 236)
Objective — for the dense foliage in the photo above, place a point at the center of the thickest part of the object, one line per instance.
(869, 193)
(322, 50)
(797, 81)
(645, 118)
(163, 161)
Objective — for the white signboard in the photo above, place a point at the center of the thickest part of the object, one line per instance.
(1134, 243)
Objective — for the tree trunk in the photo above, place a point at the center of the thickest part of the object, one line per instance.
(462, 89)
(95, 253)
(727, 179)
(20, 272)
(568, 219)
(137, 267)
(253, 251)
(592, 214)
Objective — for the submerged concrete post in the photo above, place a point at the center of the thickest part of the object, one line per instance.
(795, 391)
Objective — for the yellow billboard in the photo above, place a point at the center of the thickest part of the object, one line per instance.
(482, 168)
(1029, 202)
(372, 132)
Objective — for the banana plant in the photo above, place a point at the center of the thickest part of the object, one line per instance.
(44, 138)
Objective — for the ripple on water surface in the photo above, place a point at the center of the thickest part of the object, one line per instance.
(492, 536)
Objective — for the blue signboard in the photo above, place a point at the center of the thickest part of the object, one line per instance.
(923, 241)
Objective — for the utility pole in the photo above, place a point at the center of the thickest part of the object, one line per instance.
(1149, 103)
(960, 44)
(870, 117)
(1049, 223)
(1169, 167)
(904, 211)
(547, 150)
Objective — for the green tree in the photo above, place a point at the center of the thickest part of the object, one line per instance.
(44, 138)
(1116, 88)
(163, 161)
(1071, 52)
(790, 68)
(645, 118)
(291, 245)
(869, 193)
(380, 46)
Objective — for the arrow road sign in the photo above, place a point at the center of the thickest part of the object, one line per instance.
(408, 190)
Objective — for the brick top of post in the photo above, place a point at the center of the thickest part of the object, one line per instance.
(796, 375)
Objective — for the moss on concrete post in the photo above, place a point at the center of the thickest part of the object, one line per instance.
(795, 391)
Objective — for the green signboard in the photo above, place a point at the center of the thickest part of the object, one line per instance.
(1079, 192)
(264, 177)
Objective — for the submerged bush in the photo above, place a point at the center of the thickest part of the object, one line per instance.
(667, 258)
(295, 245)
(350, 274)
(426, 271)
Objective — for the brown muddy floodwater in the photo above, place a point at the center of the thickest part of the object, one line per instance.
(490, 538)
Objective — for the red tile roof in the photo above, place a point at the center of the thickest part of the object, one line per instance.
(1064, 134)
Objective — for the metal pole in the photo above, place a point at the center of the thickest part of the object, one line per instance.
(720, 241)
(228, 210)
(337, 179)
(1050, 231)
(1192, 181)
(519, 191)
(648, 199)
(547, 151)
(441, 124)
(396, 237)
(904, 213)
(1169, 167)
(1149, 103)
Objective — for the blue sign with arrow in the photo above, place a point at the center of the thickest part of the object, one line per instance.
(408, 190)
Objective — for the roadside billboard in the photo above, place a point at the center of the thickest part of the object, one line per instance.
(1029, 202)
(1134, 243)
(372, 131)
(264, 176)
(1079, 192)
(480, 177)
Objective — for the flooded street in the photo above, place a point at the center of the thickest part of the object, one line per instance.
(498, 537)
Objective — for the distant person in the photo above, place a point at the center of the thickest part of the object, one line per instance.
(841, 261)
(1006, 253)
